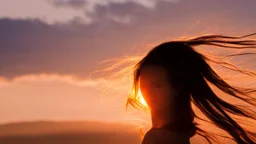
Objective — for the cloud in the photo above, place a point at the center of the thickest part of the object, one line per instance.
(62, 11)
(89, 5)
(68, 79)
(69, 3)
(41, 9)
(59, 97)
(80, 11)
(34, 47)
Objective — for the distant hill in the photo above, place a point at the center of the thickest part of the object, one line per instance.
(74, 132)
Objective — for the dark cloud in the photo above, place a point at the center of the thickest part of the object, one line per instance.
(31, 46)
(69, 3)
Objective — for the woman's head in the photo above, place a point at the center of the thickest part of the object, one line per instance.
(163, 78)
(156, 89)
(172, 74)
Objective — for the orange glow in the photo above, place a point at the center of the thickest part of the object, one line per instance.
(142, 100)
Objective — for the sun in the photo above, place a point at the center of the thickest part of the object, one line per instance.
(141, 99)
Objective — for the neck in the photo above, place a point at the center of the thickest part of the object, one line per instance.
(184, 126)
(178, 115)
(159, 119)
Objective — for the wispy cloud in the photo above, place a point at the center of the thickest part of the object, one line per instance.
(91, 4)
(63, 11)
(68, 79)
(59, 97)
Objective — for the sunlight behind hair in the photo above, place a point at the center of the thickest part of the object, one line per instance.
(218, 67)
(141, 99)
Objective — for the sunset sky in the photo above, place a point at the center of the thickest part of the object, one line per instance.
(48, 49)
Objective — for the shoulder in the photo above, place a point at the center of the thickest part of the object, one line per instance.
(156, 136)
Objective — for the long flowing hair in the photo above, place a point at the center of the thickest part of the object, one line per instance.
(199, 75)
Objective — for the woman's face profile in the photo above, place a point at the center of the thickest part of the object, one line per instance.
(156, 88)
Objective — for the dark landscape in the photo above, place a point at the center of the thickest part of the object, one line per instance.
(69, 133)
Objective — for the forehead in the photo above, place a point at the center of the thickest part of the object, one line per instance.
(153, 73)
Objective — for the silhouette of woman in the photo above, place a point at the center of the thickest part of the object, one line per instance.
(173, 74)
